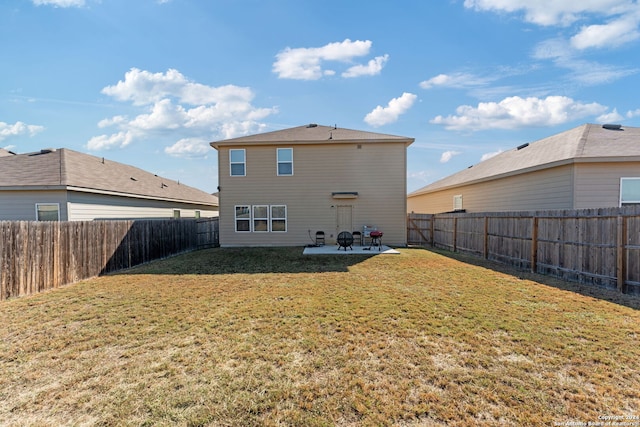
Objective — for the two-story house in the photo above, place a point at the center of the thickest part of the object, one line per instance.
(279, 188)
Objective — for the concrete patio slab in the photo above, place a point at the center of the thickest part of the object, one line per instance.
(361, 250)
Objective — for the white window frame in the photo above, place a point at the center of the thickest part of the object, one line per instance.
(243, 162)
(277, 218)
(283, 162)
(250, 214)
(242, 218)
(256, 216)
(636, 181)
(57, 205)
(457, 202)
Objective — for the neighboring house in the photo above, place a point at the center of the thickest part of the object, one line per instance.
(65, 185)
(280, 188)
(590, 166)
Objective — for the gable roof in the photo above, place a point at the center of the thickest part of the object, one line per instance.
(585, 143)
(4, 153)
(72, 170)
(313, 134)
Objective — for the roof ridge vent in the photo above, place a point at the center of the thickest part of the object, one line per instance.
(312, 125)
(609, 126)
(520, 147)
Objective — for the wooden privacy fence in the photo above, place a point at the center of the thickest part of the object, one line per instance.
(36, 256)
(598, 247)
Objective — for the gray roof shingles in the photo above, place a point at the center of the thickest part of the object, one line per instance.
(585, 143)
(313, 134)
(64, 168)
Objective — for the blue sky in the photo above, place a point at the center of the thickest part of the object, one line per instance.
(151, 82)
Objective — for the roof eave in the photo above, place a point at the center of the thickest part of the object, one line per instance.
(494, 177)
(217, 144)
(32, 187)
(137, 196)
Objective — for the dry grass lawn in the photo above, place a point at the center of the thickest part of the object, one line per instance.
(230, 337)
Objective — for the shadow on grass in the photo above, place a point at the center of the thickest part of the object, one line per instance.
(248, 261)
(611, 295)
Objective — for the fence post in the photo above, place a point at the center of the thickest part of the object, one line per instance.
(485, 246)
(432, 229)
(455, 234)
(534, 244)
(621, 266)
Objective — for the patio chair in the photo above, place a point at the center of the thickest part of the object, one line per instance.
(357, 238)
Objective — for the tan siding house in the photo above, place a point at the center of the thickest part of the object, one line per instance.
(590, 166)
(320, 178)
(65, 185)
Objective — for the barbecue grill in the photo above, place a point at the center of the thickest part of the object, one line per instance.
(345, 240)
(376, 239)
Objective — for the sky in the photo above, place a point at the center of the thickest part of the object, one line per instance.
(150, 83)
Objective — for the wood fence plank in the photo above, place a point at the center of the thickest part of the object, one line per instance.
(35, 256)
(590, 246)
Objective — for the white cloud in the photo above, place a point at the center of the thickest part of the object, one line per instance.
(59, 3)
(105, 142)
(189, 147)
(614, 33)
(306, 63)
(621, 28)
(516, 112)
(176, 107)
(553, 49)
(448, 155)
(633, 113)
(611, 117)
(486, 156)
(389, 114)
(372, 68)
(553, 12)
(234, 129)
(143, 88)
(18, 129)
(591, 73)
(456, 80)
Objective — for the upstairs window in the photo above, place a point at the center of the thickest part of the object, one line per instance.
(47, 212)
(629, 191)
(237, 162)
(285, 161)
